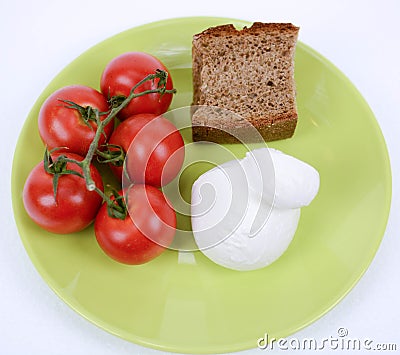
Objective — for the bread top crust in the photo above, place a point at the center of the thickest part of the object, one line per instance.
(247, 71)
(257, 27)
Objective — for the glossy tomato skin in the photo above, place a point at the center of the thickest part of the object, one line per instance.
(74, 208)
(154, 149)
(61, 126)
(123, 72)
(124, 134)
(144, 234)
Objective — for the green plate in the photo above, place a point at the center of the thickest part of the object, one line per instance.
(197, 306)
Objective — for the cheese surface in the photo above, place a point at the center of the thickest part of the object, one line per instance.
(245, 213)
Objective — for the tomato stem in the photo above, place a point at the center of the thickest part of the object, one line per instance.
(87, 113)
(161, 89)
(159, 74)
(58, 168)
(116, 207)
(90, 185)
(111, 154)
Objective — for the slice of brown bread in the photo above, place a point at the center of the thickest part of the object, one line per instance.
(249, 72)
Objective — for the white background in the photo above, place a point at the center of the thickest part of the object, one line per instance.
(39, 38)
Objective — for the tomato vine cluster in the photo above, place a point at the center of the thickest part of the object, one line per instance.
(121, 126)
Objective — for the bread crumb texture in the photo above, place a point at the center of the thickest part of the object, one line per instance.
(250, 72)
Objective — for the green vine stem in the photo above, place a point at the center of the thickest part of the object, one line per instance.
(111, 154)
(116, 205)
(85, 164)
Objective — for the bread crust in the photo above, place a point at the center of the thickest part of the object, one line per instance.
(277, 131)
(230, 29)
(270, 125)
(269, 128)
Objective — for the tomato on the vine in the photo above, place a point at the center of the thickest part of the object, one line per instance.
(70, 207)
(67, 119)
(146, 231)
(64, 193)
(154, 149)
(122, 73)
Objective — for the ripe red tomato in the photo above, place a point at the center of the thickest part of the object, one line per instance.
(74, 207)
(146, 231)
(123, 72)
(154, 149)
(60, 125)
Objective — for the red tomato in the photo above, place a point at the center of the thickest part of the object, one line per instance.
(124, 72)
(146, 231)
(154, 149)
(63, 126)
(74, 207)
